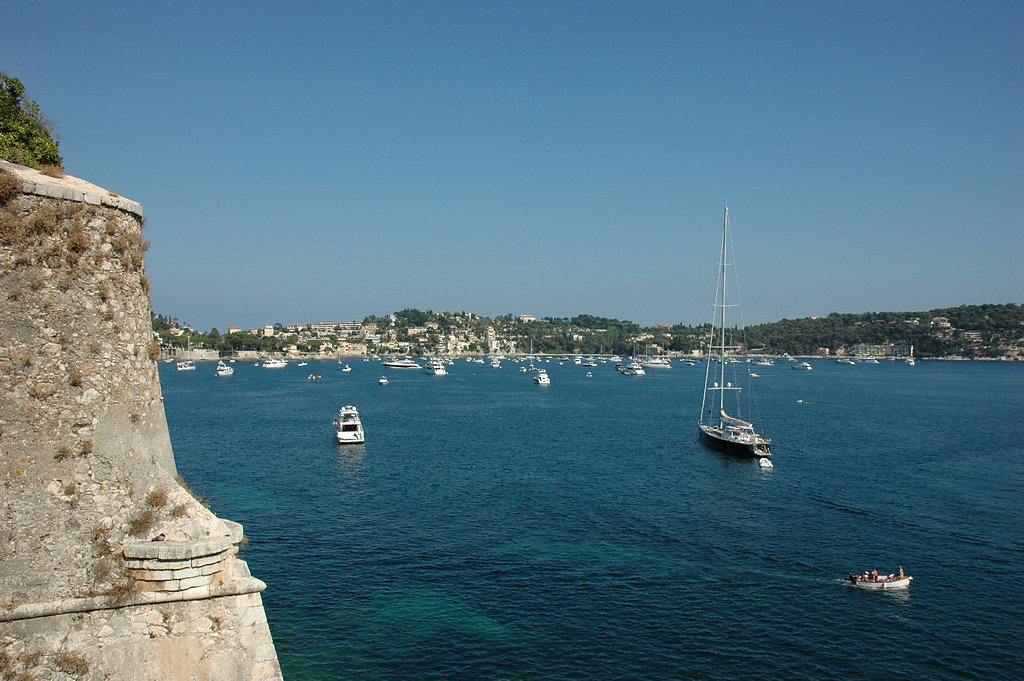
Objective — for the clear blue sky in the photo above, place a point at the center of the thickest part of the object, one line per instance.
(322, 161)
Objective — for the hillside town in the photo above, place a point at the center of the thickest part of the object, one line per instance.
(967, 332)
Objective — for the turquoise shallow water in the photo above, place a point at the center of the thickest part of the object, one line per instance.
(493, 529)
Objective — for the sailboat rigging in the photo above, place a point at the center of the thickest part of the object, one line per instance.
(718, 428)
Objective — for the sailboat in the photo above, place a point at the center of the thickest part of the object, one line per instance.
(718, 428)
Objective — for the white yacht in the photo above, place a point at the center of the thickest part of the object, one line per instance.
(656, 363)
(274, 364)
(223, 369)
(542, 378)
(805, 366)
(436, 368)
(404, 363)
(347, 426)
(633, 369)
(383, 380)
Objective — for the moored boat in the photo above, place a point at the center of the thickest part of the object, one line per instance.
(435, 367)
(718, 428)
(542, 378)
(404, 363)
(383, 380)
(223, 369)
(274, 364)
(804, 366)
(186, 365)
(347, 427)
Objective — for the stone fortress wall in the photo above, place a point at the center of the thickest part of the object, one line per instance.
(109, 567)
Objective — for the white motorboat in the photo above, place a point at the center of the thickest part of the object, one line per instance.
(346, 369)
(804, 366)
(383, 380)
(763, 362)
(223, 369)
(186, 365)
(274, 364)
(347, 426)
(302, 364)
(542, 378)
(873, 580)
(845, 360)
(718, 429)
(632, 369)
(404, 363)
(656, 363)
(435, 367)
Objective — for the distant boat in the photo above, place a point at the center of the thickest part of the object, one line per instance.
(405, 363)
(348, 429)
(845, 360)
(274, 364)
(542, 378)
(910, 359)
(763, 362)
(223, 369)
(186, 365)
(632, 369)
(806, 366)
(383, 380)
(435, 367)
(346, 369)
(719, 429)
(302, 364)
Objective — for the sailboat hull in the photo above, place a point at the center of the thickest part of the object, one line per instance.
(714, 439)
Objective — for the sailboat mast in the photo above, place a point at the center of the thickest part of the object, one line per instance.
(722, 275)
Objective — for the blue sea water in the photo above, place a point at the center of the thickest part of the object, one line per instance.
(494, 529)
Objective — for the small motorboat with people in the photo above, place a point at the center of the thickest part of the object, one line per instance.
(874, 580)
(186, 365)
(347, 426)
(223, 369)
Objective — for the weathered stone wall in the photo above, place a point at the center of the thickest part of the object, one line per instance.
(109, 567)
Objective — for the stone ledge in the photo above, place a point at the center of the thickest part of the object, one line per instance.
(69, 188)
(176, 550)
(238, 587)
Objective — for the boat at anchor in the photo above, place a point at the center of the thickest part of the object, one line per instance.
(719, 429)
(347, 427)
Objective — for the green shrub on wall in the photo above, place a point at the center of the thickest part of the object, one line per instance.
(26, 137)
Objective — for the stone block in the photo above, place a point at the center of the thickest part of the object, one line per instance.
(201, 580)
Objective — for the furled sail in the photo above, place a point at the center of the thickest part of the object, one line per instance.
(735, 421)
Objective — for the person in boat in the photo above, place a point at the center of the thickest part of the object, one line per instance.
(899, 573)
(874, 574)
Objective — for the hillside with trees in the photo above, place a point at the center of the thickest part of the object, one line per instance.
(969, 331)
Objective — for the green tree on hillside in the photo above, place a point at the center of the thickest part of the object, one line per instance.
(26, 136)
